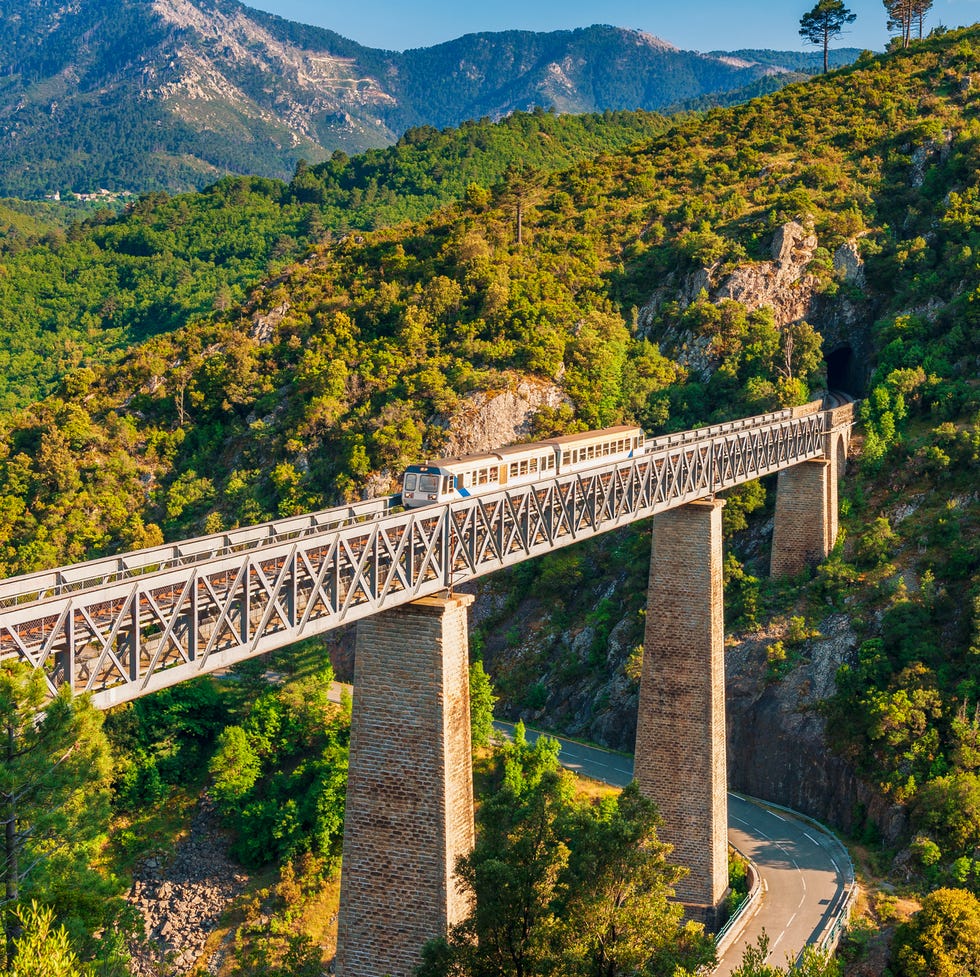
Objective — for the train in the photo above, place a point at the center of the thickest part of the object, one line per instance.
(448, 479)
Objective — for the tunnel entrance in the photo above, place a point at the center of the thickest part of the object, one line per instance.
(840, 371)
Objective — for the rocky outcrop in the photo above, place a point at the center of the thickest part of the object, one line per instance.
(182, 898)
(488, 419)
(783, 284)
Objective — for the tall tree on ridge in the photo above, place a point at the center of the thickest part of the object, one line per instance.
(922, 7)
(824, 21)
(902, 14)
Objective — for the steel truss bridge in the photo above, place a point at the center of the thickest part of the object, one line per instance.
(124, 626)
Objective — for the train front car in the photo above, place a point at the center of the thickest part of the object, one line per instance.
(445, 479)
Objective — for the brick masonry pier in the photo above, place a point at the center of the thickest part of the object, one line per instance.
(680, 736)
(410, 787)
(805, 526)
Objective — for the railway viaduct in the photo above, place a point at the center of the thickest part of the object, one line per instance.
(124, 626)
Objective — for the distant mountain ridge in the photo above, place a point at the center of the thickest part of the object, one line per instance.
(171, 94)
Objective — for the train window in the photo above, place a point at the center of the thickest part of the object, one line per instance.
(428, 483)
(523, 468)
(448, 483)
(532, 465)
(411, 482)
(494, 474)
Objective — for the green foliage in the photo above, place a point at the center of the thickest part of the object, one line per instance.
(164, 739)
(740, 502)
(280, 777)
(738, 881)
(565, 887)
(742, 594)
(54, 794)
(428, 168)
(42, 950)
(942, 938)
(482, 702)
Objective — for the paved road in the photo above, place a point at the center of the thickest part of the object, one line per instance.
(804, 869)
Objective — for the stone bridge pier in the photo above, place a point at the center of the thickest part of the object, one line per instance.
(409, 812)
(680, 734)
(805, 526)
(680, 760)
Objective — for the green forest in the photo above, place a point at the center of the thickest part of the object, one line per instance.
(260, 349)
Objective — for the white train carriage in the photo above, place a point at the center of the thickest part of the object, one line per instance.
(590, 448)
(446, 479)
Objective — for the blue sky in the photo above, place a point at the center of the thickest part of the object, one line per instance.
(701, 25)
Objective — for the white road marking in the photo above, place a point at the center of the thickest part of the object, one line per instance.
(775, 815)
(814, 840)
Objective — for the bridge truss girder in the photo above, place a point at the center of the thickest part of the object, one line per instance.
(123, 638)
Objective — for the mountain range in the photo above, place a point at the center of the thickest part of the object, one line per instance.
(171, 94)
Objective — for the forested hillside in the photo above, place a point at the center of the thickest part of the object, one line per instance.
(721, 267)
(92, 289)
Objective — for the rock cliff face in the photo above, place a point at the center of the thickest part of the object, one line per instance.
(783, 284)
(777, 746)
(489, 419)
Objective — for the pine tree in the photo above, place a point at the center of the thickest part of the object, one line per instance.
(903, 15)
(54, 782)
(482, 701)
(824, 21)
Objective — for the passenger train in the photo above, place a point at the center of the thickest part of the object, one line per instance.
(447, 479)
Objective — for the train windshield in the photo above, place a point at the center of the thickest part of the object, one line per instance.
(428, 483)
(411, 481)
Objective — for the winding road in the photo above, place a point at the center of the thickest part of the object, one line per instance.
(805, 870)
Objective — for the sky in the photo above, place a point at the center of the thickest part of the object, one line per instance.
(697, 25)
